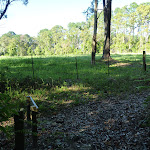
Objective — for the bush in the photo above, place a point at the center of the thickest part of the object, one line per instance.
(7, 109)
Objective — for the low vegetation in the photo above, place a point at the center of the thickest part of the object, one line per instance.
(58, 82)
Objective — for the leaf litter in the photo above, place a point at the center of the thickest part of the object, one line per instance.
(112, 123)
(109, 124)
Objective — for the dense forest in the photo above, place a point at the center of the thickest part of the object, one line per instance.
(130, 29)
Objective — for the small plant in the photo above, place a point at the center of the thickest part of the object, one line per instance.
(7, 109)
(3, 81)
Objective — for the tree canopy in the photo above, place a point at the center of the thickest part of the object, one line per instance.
(129, 33)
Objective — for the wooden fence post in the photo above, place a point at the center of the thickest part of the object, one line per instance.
(28, 113)
(34, 126)
(19, 130)
(144, 60)
(28, 109)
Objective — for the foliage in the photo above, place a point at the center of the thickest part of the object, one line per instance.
(10, 100)
(56, 86)
(7, 109)
(128, 34)
(54, 71)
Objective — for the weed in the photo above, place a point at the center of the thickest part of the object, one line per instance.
(65, 80)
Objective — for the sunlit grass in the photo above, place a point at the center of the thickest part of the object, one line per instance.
(55, 77)
(55, 86)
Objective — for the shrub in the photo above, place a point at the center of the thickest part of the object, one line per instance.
(7, 109)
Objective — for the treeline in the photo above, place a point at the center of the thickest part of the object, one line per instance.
(130, 32)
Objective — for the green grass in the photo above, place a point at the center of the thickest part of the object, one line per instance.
(55, 80)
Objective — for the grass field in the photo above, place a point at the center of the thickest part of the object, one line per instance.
(63, 80)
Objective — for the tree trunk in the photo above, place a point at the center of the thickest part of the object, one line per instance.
(94, 34)
(107, 21)
(5, 9)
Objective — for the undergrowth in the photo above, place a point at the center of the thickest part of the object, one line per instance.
(60, 82)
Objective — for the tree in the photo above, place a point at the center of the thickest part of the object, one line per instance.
(25, 43)
(95, 33)
(119, 29)
(93, 9)
(107, 21)
(74, 36)
(5, 4)
(143, 24)
(85, 37)
(129, 33)
(5, 41)
(44, 40)
(58, 37)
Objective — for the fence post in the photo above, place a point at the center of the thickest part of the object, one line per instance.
(19, 130)
(28, 112)
(28, 109)
(144, 60)
(34, 126)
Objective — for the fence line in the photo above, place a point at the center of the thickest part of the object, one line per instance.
(19, 125)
